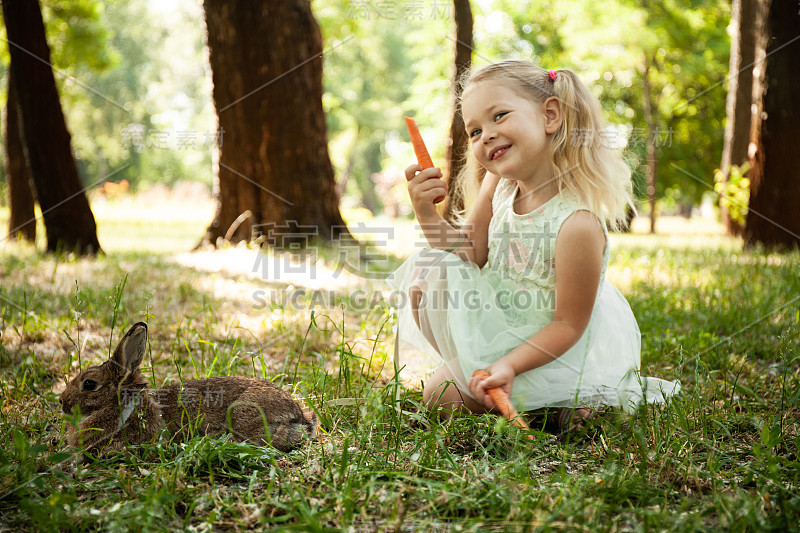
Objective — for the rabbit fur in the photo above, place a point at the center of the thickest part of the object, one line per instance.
(117, 408)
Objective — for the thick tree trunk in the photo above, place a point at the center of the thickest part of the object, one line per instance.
(266, 62)
(652, 140)
(22, 222)
(773, 218)
(68, 219)
(739, 104)
(458, 142)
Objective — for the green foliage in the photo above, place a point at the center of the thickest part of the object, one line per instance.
(734, 191)
(27, 469)
(133, 86)
(149, 118)
(77, 35)
(140, 63)
(606, 43)
(381, 66)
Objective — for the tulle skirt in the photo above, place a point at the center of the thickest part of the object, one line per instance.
(471, 317)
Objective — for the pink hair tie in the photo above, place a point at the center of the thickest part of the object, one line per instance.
(553, 74)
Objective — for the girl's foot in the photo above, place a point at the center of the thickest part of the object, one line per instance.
(569, 420)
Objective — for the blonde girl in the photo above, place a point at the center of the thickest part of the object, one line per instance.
(519, 289)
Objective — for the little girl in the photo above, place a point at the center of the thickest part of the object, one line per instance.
(520, 289)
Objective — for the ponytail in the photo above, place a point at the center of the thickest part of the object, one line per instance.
(588, 167)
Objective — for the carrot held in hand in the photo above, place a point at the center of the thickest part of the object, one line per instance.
(503, 402)
(423, 157)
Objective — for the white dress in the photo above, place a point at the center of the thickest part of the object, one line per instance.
(471, 317)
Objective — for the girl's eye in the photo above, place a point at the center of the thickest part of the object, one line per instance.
(500, 115)
(474, 133)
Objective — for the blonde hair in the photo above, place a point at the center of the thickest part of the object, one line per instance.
(584, 165)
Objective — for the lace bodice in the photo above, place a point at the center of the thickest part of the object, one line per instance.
(522, 247)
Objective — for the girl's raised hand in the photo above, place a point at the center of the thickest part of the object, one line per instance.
(424, 188)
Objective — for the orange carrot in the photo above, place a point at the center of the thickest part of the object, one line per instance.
(423, 157)
(503, 402)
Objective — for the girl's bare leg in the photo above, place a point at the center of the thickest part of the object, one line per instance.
(415, 294)
(416, 298)
(440, 392)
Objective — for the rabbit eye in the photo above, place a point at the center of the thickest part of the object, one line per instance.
(90, 385)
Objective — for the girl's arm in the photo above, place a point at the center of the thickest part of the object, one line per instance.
(579, 263)
(470, 243)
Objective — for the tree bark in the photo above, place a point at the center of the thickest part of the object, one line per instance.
(22, 220)
(739, 103)
(68, 219)
(773, 218)
(266, 63)
(458, 142)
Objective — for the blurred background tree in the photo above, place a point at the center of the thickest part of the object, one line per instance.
(135, 88)
(742, 103)
(392, 62)
(39, 142)
(75, 43)
(136, 85)
(605, 42)
(683, 48)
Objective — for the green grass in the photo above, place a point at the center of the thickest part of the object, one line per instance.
(722, 455)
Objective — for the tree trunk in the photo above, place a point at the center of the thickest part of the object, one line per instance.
(739, 104)
(458, 142)
(761, 39)
(773, 218)
(266, 63)
(652, 140)
(22, 221)
(759, 87)
(68, 219)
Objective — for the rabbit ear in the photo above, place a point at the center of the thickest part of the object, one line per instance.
(130, 350)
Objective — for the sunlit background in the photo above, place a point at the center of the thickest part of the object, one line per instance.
(135, 85)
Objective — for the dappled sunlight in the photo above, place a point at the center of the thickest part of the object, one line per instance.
(269, 266)
(640, 257)
(646, 270)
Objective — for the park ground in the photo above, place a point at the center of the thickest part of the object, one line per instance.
(722, 319)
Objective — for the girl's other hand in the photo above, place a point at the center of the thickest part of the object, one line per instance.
(425, 186)
(501, 375)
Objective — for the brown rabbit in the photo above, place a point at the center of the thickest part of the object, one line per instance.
(117, 408)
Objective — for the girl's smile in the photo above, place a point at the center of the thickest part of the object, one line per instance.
(497, 153)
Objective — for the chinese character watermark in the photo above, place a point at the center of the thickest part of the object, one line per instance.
(614, 139)
(408, 10)
(138, 138)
